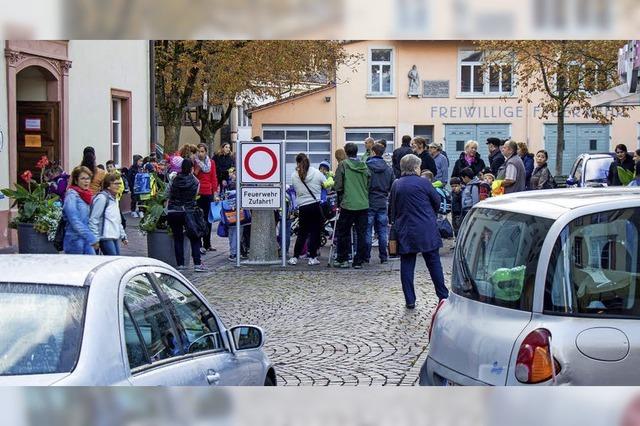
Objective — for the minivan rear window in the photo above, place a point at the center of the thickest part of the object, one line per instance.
(497, 257)
(40, 328)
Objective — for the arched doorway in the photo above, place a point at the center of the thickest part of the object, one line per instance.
(38, 118)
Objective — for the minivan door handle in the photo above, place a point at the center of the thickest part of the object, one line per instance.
(213, 377)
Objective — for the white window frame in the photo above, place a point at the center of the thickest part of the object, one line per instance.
(486, 89)
(116, 135)
(392, 63)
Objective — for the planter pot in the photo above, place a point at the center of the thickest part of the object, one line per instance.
(160, 246)
(33, 242)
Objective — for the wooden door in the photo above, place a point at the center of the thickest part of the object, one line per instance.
(38, 135)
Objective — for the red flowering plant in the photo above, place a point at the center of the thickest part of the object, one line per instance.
(35, 204)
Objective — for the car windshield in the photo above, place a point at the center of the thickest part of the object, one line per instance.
(597, 169)
(497, 257)
(40, 328)
(595, 266)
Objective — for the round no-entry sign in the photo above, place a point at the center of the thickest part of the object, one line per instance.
(260, 163)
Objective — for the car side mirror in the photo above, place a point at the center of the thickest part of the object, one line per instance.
(247, 337)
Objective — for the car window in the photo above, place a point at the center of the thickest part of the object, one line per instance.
(136, 351)
(595, 266)
(497, 257)
(150, 315)
(40, 328)
(577, 171)
(197, 325)
(597, 169)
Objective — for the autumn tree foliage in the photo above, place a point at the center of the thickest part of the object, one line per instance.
(559, 76)
(227, 71)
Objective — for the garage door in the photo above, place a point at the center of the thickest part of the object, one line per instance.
(578, 139)
(456, 135)
(313, 140)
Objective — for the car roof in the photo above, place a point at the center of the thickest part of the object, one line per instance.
(62, 269)
(554, 203)
(597, 155)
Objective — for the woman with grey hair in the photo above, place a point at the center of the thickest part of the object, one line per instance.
(413, 206)
(469, 158)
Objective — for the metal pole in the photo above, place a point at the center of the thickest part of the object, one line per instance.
(283, 204)
(238, 201)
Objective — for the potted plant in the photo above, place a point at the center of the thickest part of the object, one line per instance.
(154, 225)
(39, 212)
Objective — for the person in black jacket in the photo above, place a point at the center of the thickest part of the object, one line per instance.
(623, 160)
(469, 158)
(182, 192)
(421, 150)
(136, 167)
(496, 159)
(379, 188)
(224, 160)
(404, 149)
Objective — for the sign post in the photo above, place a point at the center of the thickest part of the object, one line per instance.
(261, 184)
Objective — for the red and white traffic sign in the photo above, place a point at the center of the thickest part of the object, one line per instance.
(260, 163)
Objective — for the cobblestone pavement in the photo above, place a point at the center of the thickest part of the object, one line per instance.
(324, 326)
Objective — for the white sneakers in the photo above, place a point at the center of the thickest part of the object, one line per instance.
(312, 261)
(134, 214)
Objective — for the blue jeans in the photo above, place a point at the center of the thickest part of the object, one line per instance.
(77, 246)
(379, 221)
(110, 247)
(407, 270)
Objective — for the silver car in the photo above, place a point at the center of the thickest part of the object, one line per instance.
(99, 320)
(545, 290)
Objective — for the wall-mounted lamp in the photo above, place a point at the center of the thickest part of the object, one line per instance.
(327, 98)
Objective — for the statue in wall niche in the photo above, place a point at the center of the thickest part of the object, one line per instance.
(414, 82)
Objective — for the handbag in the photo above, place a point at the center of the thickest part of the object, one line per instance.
(445, 228)
(222, 231)
(325, 208)
(215, 211)
(194, 223)
(393, 241)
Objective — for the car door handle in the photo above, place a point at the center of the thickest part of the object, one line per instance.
(213, 377)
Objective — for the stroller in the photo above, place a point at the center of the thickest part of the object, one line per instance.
(329, 224)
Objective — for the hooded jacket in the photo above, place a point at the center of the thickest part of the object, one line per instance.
(182, 193)
(380, 184)
(529, 165)
(105, 220)
(352, 184)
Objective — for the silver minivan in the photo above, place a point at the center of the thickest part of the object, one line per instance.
(545, 290)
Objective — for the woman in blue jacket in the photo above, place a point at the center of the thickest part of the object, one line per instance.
(413, 206)
(78, 238)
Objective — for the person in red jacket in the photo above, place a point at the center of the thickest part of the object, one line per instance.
(205, 171)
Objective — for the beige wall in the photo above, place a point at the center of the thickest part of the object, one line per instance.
(435, 60)
(310, 109)
(4, 132)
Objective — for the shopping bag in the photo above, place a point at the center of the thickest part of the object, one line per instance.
(215, 212)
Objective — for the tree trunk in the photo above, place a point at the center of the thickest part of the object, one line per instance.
(171, 137)
(560, 142)
(264, 247)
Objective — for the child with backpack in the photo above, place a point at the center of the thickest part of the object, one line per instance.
(456, 203)
(143, 187)
(471, 191)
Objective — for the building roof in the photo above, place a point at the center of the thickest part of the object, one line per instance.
(293, 97)
(554, 203)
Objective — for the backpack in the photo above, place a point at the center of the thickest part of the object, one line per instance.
(445, 201)
(142, 184)
(484, 190)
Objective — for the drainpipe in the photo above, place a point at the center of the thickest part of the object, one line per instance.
(152, 99)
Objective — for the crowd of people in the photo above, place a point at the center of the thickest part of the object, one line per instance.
(408, 195)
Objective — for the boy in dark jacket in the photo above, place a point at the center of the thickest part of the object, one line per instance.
(379, 188)
(136, 167)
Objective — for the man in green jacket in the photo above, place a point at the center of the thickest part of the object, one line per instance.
(352, 185)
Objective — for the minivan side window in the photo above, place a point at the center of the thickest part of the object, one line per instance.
(196, 323)
(595, 266)
(150, 316)
(497, 257)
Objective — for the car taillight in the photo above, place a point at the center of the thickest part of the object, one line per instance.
(535, 363)
(433, 317)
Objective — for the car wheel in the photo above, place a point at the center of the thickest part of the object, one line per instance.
(268, 381)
